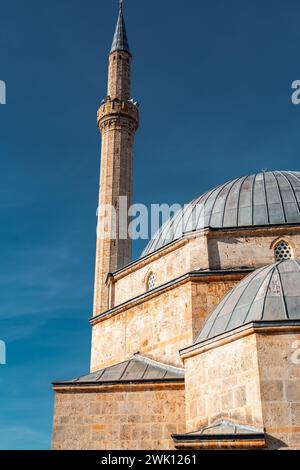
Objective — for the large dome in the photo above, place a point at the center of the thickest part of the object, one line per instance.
(266, 198)
(271, 293)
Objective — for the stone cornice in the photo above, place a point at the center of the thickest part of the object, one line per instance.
(169, 384)
(264, 327)
(254, 230)
(234, 442)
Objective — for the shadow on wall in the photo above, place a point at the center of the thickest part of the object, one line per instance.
(214, 258)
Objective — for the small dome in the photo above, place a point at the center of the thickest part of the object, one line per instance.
(271, 293)
(267, 198)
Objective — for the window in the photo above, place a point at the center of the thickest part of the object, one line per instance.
(283, 251)
(151, 282)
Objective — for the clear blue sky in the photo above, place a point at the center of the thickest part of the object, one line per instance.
(213, 78)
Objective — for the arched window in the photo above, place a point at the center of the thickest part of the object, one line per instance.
(151, 281)
(283, 251)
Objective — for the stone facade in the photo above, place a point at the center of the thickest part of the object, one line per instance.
(205, 296)
(252, 378)
(223, 382)
(279, 371)
(159, 324)
(127, 290)
(252, 247)
(118, 417)
(147, 328)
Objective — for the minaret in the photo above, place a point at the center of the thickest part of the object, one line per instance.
(118, 119)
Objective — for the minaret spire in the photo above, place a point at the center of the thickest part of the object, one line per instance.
(120, 41)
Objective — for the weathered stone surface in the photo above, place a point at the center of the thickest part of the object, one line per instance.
(280, 387)
(213, 250)
(121, 417)
(157, 327)
(252, 380)
(232, 391)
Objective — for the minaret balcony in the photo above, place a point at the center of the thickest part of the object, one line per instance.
(110, 109)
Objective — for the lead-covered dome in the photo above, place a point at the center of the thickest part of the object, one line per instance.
(266, 198)
(271, 293)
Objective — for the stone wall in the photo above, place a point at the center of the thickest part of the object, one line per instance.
(253, 380)
(119, 76)
(252, 248)
(279, 368)
(168, 265)
(208, 249)
(158, 327)
(119, 417)
(223, 382)
(205, 297)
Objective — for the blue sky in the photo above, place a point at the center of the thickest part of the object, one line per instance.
(213, 79)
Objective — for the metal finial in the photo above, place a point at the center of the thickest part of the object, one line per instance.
(120, 4)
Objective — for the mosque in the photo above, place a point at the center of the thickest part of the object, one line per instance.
(195, 345)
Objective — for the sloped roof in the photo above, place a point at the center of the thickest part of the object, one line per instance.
(137, 369)
(223, 429)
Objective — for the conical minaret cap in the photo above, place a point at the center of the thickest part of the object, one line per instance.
(120, 41)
